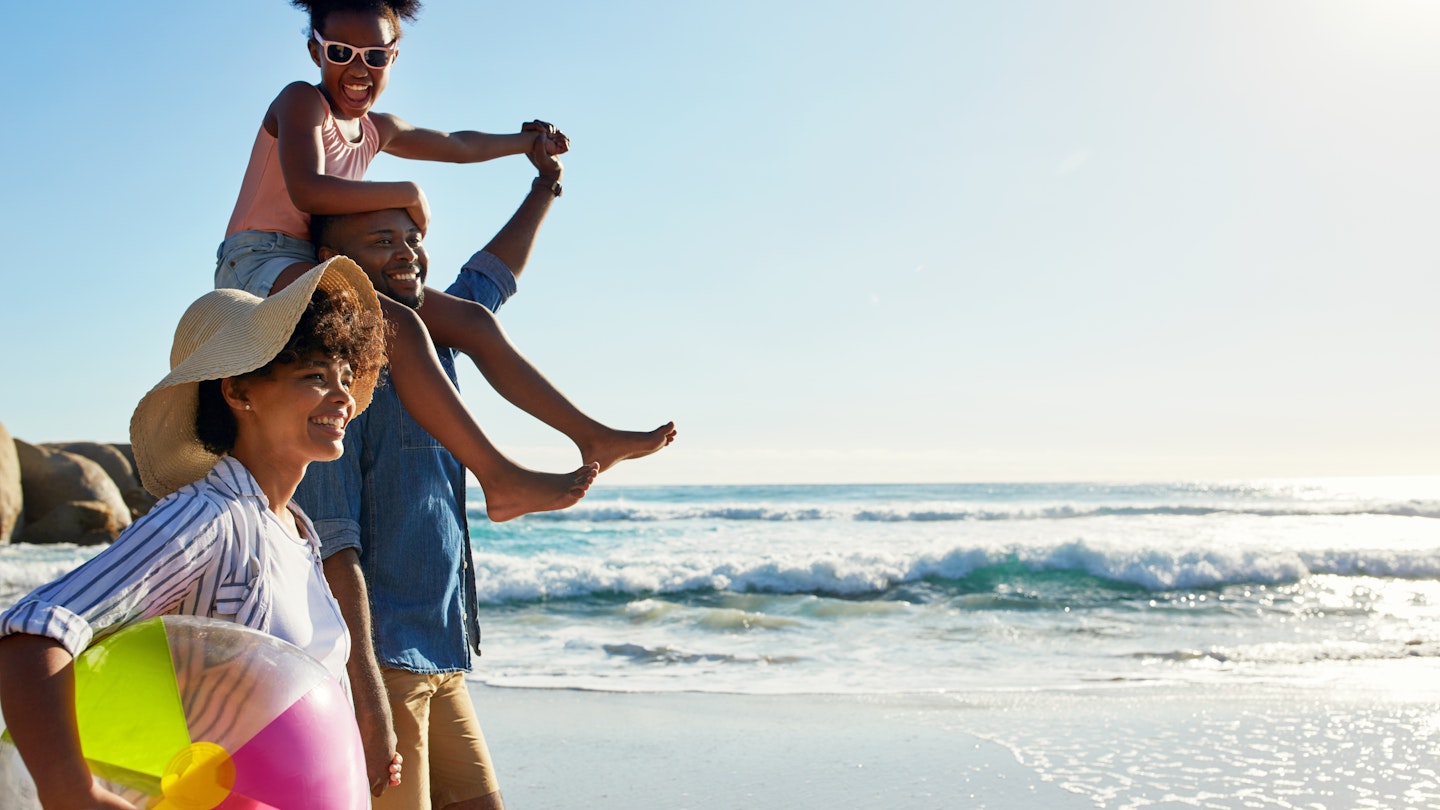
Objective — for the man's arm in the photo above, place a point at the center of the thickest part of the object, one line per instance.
(331, 495)
(513, 243)
(372, 706)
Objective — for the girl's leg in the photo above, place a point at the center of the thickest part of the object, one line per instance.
(471, 328)
(419, 379)
(510, 489)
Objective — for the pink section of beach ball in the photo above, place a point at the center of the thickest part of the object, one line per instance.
(309, 756)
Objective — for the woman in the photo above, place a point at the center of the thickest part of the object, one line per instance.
(258, 389)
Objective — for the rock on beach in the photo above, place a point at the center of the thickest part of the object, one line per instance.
(69, 497)
(11, 497)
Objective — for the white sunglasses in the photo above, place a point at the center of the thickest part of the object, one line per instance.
(338, 53)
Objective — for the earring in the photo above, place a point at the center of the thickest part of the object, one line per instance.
(247, 406)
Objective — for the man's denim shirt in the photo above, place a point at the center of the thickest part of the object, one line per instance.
(398, 497)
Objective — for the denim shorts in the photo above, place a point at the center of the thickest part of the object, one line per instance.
(252, 260)
(485, 280)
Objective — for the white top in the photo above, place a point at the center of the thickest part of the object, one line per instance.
(212, 548)
(306, 613)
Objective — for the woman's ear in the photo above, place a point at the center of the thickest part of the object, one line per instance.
(234, 391)
(314, 48)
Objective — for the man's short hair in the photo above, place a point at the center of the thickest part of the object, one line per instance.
(321, 226)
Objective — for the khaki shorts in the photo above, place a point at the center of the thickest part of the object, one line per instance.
(446, 759)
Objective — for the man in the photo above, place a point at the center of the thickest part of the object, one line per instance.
(391, 517)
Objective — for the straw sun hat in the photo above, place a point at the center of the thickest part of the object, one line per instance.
(226, 333)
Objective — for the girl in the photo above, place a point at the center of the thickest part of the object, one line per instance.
(313, 147)
(316, 141)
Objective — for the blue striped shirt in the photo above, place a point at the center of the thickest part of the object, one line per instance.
(201, 551)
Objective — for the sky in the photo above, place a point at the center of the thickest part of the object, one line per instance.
(850, 241)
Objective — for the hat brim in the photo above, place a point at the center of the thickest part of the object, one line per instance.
(226, 333)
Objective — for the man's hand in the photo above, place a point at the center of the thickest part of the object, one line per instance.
(382, 764)
(544, 159)
(377, 735)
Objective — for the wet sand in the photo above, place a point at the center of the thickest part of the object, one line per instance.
(567, 749)
(1148, 746)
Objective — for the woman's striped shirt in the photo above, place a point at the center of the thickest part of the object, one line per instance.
(199, 551)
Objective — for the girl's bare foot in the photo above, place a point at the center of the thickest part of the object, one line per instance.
(611, 447)
(522, 491)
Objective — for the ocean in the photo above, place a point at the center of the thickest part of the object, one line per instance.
(948, 588)
(962, 587)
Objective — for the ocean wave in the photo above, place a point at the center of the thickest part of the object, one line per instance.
(640, 654)
(954, 573)
(642, 513)
(1300, 653)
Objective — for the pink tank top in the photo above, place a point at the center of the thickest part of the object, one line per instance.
(264, 203)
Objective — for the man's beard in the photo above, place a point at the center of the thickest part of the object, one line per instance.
(413, 302)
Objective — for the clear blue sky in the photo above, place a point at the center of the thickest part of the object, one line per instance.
(842, 241)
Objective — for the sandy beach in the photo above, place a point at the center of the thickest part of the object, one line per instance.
(1361, 744)
(566, 749)
(1369, 742)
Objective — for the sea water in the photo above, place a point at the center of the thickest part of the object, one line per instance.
(947, 588)
(958, 588)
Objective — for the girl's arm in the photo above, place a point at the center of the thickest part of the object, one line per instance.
(297, 115)
(402, 139)
(37, 696)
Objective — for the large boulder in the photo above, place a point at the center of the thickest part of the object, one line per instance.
(129, 453)
(119, 465)
(12, 500)
(83, 522)
(51, 479)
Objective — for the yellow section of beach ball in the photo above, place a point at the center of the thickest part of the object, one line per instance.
(199, 777)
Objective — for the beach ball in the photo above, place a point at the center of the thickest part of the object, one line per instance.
(187, 713)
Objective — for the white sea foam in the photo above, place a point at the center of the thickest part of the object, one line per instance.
(504, 578)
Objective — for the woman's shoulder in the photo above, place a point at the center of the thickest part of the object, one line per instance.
(192, 506)
(227, 487)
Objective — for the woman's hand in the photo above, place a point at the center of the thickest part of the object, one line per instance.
(98, 798)
(395, 763)
(105, 800)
